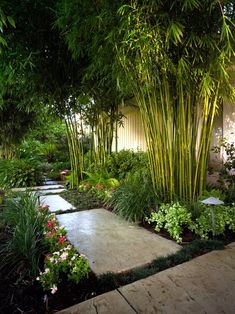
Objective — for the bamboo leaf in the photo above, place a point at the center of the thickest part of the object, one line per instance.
(11, 21)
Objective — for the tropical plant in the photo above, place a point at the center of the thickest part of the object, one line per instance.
(173, 217)
(20, 173)
(177, 71)
(119, 164)
(102, 178)
(4, 21)
(24, 247)
(135, 197)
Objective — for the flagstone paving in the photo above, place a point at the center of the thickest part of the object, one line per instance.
(112, 244)
(56, 203)
(50, 191)
(39, 188)
(204, 285)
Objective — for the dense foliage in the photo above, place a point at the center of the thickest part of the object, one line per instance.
(22, 250)
(20, 173)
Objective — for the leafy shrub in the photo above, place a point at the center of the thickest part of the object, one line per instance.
(101, 179)
(173, 217)
(135, 197)
(119, 164)
(227, 173)
(63, 258)
(224, 217)
(20, 173)
(28, 149)
(24, 246)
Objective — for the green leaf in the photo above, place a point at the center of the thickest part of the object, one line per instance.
(3, 41)
(11, 21)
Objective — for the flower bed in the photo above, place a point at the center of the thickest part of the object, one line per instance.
(62, 259)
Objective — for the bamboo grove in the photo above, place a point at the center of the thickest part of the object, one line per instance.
(177, 70)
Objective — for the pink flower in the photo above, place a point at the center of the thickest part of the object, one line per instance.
(62, 239)
(44, 206)
(54, 289)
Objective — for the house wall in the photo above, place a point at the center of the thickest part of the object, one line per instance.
(131, 134)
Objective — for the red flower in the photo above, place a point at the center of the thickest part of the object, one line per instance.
(62, 239)
(50, 223)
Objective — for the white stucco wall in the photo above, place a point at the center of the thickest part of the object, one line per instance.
(131, 134)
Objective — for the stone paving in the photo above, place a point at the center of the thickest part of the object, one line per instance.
(205, 284)
(39, 188)
(50, 191)
(110, 243)
(56, 203)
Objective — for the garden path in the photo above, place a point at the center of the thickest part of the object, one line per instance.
(205, 284)
(110, 243)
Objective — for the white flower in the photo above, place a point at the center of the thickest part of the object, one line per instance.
(52, 259)
(64, 256)
(54, 289)
(73, 258)
(37, 278)
(46, 270)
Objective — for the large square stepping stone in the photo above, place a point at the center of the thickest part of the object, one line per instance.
(110, 243)
(56, 203)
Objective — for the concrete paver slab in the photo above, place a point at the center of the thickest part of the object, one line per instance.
(56, 203)
(51, 191)
(203, 285)
(34, 188)
(112, 244)
(111, 302)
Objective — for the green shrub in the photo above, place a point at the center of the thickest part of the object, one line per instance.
(28, 149)
(20, 173)
(119, 164)
(173, 217)
(135, 197)
(24, 246)
(99, 178)
(224, 217)
(227, 173)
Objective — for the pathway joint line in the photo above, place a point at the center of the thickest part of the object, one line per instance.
(127, 301)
